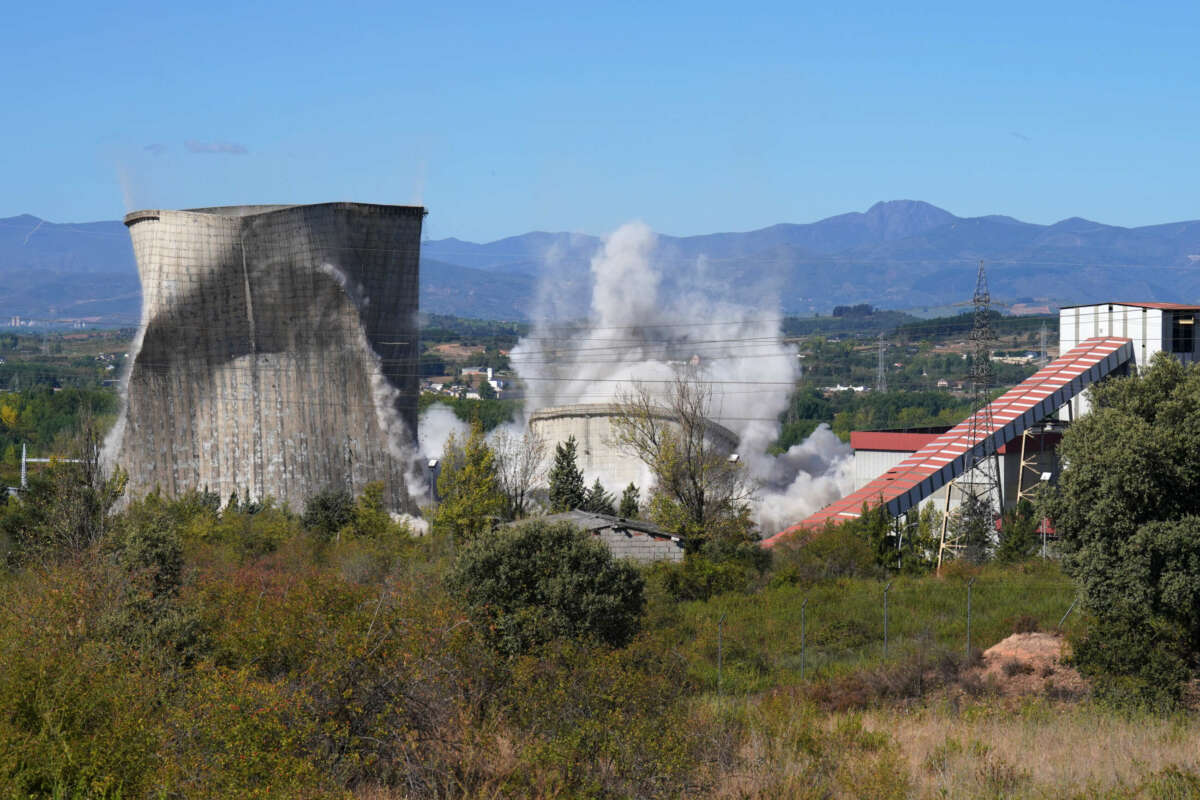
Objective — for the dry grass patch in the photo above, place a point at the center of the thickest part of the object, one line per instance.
(457, 351)
(1044, 750)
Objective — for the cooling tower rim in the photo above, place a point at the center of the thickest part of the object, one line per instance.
(616, 409)
(257, 210)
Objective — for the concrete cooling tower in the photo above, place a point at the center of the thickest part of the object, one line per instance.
(597, 452)
(276, 355)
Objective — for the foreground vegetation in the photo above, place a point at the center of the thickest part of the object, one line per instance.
(181, 650)
(212, 646)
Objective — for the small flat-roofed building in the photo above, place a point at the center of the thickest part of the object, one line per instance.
(625, 538)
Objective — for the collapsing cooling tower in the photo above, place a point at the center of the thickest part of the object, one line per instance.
(277, 352)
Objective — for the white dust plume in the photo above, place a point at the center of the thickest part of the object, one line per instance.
(644, 329)
(437, 423)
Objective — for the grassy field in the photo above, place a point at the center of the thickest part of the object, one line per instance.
(1041, 749)
(761, 643)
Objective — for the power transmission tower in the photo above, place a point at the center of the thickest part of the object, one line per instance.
(881, 367)
(979, 485)
(1042, 354)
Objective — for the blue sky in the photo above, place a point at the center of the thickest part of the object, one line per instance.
(503, 118)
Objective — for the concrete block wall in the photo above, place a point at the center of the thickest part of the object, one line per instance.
(639, 546)
(277, 352)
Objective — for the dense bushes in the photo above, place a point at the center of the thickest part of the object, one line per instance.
(529, 584)
(600, 722)
(720, 565)
(835, 552)
(1128, 510)
(171, 661)
(78, 707)
(195, 651)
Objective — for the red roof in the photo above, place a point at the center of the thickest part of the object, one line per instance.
(892, 441)
(911, 441)
(952, 453)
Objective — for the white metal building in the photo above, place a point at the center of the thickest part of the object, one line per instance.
(1151, 326)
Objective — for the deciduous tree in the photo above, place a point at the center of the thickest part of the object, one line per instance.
(519, 467)
(698, 491)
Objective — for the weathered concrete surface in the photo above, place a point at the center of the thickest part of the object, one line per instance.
(599, 453)
(625, 538)
(277, 351)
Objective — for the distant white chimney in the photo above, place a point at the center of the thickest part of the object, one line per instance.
(489, 374)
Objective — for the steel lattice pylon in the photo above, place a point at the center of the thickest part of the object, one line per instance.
(981, 480)
(881, 366)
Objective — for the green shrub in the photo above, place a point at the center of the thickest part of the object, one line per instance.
(145, 544)
(387, 683)
(268, 613)
(234, 734)
(327, 512)
(724, 563)
(61, 514)
(699, 577)
(836, 551)
(80, 713)
(1133, 661)
(529, 584)
(254, 532)
(596, 722)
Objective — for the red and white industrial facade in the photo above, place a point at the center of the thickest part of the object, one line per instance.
(1096, 341)
(950, 454)
(1151, 327)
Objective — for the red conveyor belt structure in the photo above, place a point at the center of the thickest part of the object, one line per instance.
(950, 455)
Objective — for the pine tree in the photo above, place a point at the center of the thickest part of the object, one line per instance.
(629, 502)
(598, 501)
(1018, 533)
(974, 526)
(471, 499)
(566, 481)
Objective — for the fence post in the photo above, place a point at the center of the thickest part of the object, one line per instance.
(970, 583)
(885, 619)
(720, 650)
(1070, 608)
(803, 636)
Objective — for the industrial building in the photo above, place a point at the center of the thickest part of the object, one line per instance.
(276, 351)
(1150, 328)
(633, 539)
(902, 469)
(598, 453)
(1023, 462)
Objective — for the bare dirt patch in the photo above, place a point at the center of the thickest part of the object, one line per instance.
(1031, 664)
(456, 351)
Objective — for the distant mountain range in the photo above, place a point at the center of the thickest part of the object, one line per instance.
(898, 254)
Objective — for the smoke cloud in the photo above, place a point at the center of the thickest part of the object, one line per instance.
(437, 423)
(215, 148)
(640, 333)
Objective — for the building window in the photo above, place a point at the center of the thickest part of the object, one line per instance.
(1183, 333)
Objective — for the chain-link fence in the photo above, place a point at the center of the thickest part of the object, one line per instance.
(790, 634)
